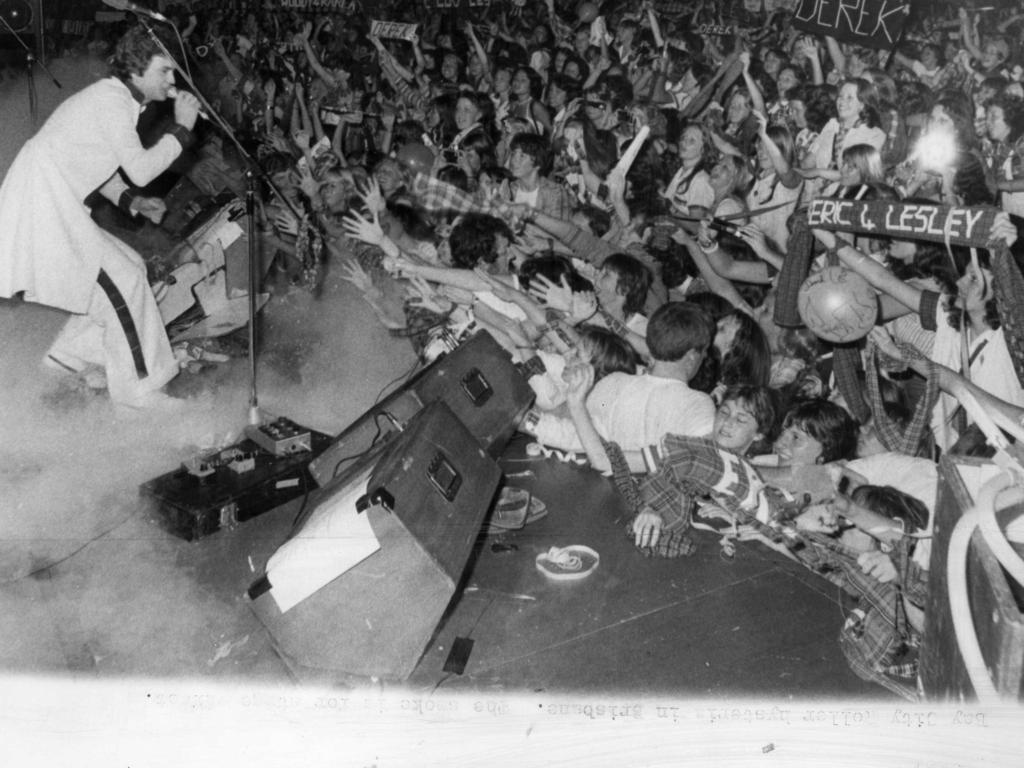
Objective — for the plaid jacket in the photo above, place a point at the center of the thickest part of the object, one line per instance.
(685, 468)
(876, 638)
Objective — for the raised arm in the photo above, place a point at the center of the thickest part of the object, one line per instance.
(728, 69)
(836, 54)
(786, 173)
(718, 284)
(878, 276)
(756, 98)
(969, 34)
(314, 61)
(752, 235)
(481, 52)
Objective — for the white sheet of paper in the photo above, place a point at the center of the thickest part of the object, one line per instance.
(335, 539)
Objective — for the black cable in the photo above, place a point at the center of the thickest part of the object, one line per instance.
(97, 537)
(302, 507)
(361, 453)
(404, 376)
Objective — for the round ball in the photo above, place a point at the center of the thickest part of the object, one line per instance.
(416, 157)
(838, 305)
(587, 12)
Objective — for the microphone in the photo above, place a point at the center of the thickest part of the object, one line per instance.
(172, 93)
(124, 5)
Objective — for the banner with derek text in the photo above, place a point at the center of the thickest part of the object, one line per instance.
(872, 23)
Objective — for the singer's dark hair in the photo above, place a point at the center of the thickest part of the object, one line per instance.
(133, 53)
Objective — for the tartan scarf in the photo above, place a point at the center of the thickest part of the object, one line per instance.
(1009, 291)
(795, 267)
(908, 441)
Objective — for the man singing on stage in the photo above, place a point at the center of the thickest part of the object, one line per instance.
(51, 249)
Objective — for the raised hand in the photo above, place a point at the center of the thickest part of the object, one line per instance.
(762, 122)
(286, 223)
(826, 238)
(365, 230)
(352, 271)
(305, 181)
(422, 294)
(555, 296)
(372, 197)
(186, 109)
(880, 337)
(301, 139)
(1003, 230)
(153, 208)
(580, 379)
(752, 235)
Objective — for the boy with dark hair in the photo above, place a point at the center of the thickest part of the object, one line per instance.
(529, 158)
(477, 238)
(678, 329)
(825, 423)
(631, 281)
(635, 411)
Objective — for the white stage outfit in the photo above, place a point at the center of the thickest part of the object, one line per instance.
(52, 250)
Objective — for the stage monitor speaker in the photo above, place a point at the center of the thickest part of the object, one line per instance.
(424, 501)
(478, 381)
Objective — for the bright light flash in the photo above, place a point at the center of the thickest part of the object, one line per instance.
(936, 150)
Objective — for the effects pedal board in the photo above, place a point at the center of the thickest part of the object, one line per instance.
(281, 437)
(220, 489)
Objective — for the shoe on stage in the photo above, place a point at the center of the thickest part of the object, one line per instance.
(93, 376)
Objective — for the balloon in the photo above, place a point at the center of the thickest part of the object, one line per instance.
(416, 157)
(586, 13)
(837, 305)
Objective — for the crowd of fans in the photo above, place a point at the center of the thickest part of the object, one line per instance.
(612, 196)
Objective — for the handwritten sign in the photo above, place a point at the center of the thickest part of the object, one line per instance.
(717, 29)
(336, 5)
(392, 29)
(458, 6)
(872, 23)
(672, 8)
(912, 221)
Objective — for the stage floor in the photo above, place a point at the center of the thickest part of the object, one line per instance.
(756, 625)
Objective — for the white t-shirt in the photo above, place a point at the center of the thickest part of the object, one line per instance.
(527, 198)
(635, 411)
(696, 192)
(769, 191)
(823, 148)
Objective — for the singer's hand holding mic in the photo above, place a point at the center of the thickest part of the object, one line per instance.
(186, 107)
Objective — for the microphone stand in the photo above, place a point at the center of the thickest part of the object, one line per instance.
(30, 62)
(253, 170)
